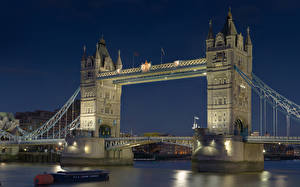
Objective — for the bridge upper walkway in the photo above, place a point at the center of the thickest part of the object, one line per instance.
(151, 73)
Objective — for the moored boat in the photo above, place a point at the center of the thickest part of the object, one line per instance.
(72, 176)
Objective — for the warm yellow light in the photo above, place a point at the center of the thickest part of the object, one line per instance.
(75, 144)
(213, 143)
(25, 149)
(264, 151)
(59, 143)
(86, 149)
(227, 144)
(176, 62)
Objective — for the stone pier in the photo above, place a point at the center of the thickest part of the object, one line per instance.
(226, 154)
(91, 152)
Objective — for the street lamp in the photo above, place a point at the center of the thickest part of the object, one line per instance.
(195, 125)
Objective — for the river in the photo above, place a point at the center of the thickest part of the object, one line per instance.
(161, 174)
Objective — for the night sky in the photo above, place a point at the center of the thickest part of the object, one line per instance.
(41, 47)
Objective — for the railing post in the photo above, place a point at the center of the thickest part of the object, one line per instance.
(288, 125)
(274, 123)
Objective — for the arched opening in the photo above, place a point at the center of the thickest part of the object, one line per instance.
(240, 128)
(104, 131)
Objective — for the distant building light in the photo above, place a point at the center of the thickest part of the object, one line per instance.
(242, 86)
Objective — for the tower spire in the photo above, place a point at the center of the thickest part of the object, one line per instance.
(84, 53)
(119, 64)
(229, 15)
(229, 27)
(248, 38)
(210, 31)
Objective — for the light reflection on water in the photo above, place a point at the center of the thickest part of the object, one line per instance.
(156, 174)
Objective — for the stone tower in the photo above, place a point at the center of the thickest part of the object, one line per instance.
(228, 95)
(100, 99)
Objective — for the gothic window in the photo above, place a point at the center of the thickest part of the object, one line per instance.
(225, 81)
(106, 110)
(111, 111)
(224, 101)
(106, 95)
(220, 81)
(220, 101)
(102, 110)
(89, 75)
(216, 81)
(219, 118)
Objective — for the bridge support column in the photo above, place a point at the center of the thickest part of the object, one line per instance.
(91, 152)
(219, 153)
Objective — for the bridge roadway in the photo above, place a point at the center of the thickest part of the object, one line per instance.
(126, 142)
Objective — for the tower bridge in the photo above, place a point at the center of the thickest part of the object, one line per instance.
(230, 81)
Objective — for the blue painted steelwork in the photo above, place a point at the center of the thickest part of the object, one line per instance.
(272, 139)
(271, 96)
(52, 121)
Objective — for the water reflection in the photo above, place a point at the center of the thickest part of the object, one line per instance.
(181, 178)
(156, 174)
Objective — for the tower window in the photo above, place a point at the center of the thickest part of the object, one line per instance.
(107, 110)
(107, 95)
(220, 101)
(224, 101)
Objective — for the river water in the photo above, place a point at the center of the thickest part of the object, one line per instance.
(161, 174)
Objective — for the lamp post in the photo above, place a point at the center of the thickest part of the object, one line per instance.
(195, 125)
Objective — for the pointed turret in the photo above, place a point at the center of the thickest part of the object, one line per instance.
(102, 41)
(119, 61)
(248, 43)
(98, 60)
(248, 39)
(229, 27)
(83, 58)
(84, 53)
(210, 32)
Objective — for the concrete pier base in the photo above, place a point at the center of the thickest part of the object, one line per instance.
(226, 154)
(9, 152)
(91, 152)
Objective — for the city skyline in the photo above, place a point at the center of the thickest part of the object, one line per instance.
(174, 103)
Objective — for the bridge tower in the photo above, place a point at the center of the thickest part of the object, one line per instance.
(228, 95)
(100, 99)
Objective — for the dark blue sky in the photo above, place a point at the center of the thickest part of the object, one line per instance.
(41, 46)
